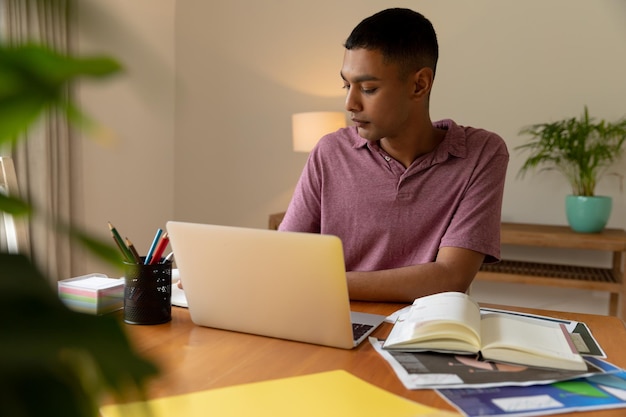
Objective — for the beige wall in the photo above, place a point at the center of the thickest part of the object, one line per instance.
(129, 179)
(211, 86)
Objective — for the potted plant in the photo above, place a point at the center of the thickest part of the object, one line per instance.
(54, 361)
(581, 149)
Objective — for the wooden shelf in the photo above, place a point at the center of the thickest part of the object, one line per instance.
(551, 274)
(523, 234)
(612, 280)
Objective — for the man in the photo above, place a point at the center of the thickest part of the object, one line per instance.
(417, 205)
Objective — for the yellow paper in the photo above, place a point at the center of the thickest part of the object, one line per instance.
(328, 394)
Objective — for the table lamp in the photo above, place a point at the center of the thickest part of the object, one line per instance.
(309, 127)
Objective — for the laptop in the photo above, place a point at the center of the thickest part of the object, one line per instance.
(285, 285)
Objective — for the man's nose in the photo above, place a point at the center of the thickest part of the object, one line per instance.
(353, 103)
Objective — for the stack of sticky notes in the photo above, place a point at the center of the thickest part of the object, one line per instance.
(93, 293)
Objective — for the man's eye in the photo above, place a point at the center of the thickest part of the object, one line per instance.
(364, 90)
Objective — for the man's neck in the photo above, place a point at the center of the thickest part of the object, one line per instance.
(406, 150)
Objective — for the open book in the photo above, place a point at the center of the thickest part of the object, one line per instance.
(452, 322)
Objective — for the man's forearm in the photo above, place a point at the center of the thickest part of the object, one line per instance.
(454, 272)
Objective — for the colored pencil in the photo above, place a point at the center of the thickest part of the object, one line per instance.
(120, 244)
(132, 249)
(158, 252)
(153, 246)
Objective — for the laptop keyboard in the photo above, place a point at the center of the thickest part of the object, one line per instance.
(359, 329)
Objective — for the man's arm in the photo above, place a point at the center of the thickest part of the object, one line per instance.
(453, 270)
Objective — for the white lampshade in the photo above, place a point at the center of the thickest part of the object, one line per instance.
(309, 127)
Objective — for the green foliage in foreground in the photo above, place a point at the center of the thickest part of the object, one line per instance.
(53, 361)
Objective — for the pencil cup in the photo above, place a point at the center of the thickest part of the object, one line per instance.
(148, 293)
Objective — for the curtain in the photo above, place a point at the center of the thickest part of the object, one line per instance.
(43, 158)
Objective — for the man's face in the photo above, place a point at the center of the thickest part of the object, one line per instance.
(379, 100)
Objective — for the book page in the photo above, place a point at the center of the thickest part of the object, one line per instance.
(447, 306)
(439, 318)
(529, 341)
(586, 344)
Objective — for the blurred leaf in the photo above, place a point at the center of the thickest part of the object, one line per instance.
(34, 78)
(13, 206)
(54, 361)
(16, 114)
(83, 356)
(78, 118)
(34, 62)
(105, 251)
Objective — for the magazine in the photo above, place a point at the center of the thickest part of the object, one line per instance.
(596, 392)
(425, 370)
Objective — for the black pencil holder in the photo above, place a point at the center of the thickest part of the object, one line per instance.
(148, 293)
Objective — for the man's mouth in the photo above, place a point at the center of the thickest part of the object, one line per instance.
(359, 122)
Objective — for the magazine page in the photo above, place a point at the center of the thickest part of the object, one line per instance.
(425, 370)
(597, 392)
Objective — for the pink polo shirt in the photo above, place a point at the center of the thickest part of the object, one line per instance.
(387, 216)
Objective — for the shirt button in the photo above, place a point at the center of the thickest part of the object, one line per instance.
(387, 158)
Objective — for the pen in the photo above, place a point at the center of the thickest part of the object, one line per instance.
(120, 244)
(160, 248)
(153, 246)
(132, 249)
(168, 257)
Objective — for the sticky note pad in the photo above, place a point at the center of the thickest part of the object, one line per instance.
(93, 293)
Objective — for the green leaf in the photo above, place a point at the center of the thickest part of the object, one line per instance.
(579, 148)
(13, 206)
(48, 349)
(104, 250)
(18, 113)
(49, 67)
(34, 78)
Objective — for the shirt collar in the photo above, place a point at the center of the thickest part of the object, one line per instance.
(453, 143)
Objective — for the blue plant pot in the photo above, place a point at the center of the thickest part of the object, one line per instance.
(588, 214)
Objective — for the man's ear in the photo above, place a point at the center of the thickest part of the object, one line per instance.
(423, 81)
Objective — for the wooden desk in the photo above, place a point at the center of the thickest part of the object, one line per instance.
(196, 358)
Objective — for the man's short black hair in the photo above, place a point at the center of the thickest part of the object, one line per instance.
(403, 36)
